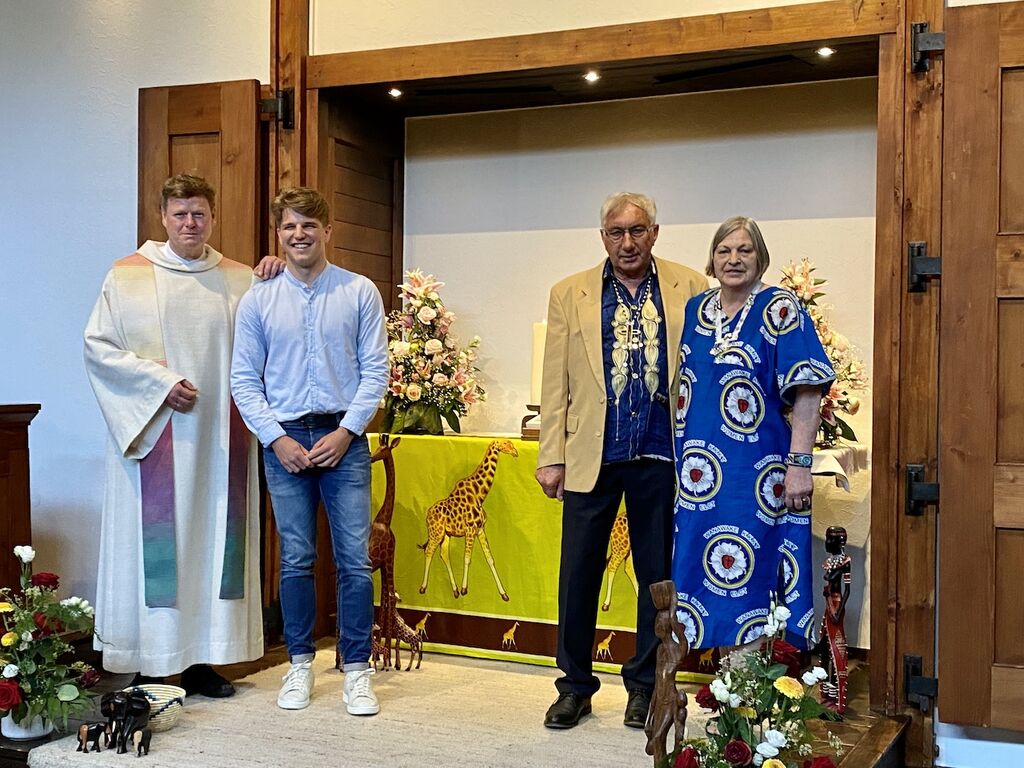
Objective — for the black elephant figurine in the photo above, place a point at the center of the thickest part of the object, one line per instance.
(91, 733)
(126, 712)
(141, 740)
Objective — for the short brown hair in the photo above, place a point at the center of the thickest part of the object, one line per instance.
(749, 226)
(182, 186)
(303, 200)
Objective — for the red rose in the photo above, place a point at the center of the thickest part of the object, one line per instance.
(10, 695)
(819, 762)
(89, 678)
(706, 699)
(45, 579)
(737, 752)
(687, 758)
(785, 653)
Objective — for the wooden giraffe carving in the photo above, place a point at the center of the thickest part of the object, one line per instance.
(508, 640)
(619, 554)
(461, 514)
(382, 545)
(403, 634)
(604, 648)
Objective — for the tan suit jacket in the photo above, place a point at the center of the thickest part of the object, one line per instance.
(573, 387)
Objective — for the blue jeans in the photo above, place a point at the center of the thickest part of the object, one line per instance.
(345, 492)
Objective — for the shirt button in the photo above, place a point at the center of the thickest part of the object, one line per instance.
(633, 414)
(602, 400)
(636, 375)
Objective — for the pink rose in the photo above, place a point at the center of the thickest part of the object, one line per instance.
(426, 315)
(413, 392)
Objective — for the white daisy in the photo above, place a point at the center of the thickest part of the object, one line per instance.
(728, 560)
(697, 474)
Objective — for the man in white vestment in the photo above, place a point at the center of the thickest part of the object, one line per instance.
(178, 586)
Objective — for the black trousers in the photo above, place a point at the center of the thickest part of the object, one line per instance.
(587, 519)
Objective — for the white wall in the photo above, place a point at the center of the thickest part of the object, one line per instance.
(501, 205)
(69, 79)
(338, 25)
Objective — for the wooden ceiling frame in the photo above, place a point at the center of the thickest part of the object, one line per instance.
(908, 205)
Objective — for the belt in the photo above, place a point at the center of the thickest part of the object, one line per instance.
(316, 420)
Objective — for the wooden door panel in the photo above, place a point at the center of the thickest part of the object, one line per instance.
(981, 409)
(211, 130)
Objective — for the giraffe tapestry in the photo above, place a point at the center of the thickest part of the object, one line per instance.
(461, 514)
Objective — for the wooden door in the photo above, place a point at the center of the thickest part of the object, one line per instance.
(211, 130)
(981, 371)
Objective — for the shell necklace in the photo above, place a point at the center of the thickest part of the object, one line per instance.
(635, 328)
(725, 340)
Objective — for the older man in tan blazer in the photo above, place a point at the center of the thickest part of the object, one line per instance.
(611, 376)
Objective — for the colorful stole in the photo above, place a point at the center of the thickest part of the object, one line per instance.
(140, 322)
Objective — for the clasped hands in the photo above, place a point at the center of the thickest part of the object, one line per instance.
(326, 452)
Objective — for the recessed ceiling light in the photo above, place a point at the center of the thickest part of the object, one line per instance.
(394, 93)
(825, 51)
(592, 76)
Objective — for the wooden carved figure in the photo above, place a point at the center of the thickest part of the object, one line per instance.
(382, 544)
(508, 640)
(406, 634)
(668, 704)
(461, 514)
(141, 739)
(832, 645)
(604, 648)
(421, 625)
(619, 554)
(90, 733)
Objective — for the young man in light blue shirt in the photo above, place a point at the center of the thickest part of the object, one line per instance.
(309, 368)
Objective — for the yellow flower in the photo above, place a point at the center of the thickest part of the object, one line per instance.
(9, 639)
(6, 607)
(789, 687)
(747, 712)
(771, 762)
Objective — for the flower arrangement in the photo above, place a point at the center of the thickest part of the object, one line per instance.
(35, 678)
(851, 374)
(431, 376)
(762, 708)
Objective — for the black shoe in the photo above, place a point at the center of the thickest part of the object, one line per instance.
(637, 707)
(567, 710)
(201, 679)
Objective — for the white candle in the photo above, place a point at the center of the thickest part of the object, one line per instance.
(540, 332)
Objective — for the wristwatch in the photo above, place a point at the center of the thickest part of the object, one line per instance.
(799, 460)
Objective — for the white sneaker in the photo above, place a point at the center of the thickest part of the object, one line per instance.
(358, 695)
(296, 687)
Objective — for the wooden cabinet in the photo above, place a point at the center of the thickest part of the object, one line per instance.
(15, 498)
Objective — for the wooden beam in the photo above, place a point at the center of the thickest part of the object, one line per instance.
(291, 47)
(833, 21)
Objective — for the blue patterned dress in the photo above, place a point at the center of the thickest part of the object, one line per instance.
(733, 532)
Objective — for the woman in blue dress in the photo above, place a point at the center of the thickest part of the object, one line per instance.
(752, 373)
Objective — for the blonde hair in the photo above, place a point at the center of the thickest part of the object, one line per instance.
(749, 226)
(183, 186)
(302, 200)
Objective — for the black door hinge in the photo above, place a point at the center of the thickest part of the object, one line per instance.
(920, 691)
(280, 108)
(919, 493)
(921, 266)
(923, 43)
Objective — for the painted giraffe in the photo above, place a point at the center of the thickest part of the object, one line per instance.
(421, 625)
(461, 514)
(508, 640)
(604, 648)
(619, 554)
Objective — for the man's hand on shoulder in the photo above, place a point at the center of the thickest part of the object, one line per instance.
(330, 449)
(269, 267)
(552, 480)
(291, 454)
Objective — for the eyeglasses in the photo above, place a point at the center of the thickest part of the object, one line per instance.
(616, 234)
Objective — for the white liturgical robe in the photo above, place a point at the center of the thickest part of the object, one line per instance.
(178, 580)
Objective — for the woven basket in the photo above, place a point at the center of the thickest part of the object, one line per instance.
(165, 704)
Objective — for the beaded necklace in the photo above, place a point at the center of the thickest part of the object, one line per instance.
(724, 341)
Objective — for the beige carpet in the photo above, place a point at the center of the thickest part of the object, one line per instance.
(452, 712)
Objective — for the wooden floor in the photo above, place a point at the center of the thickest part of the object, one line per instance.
(870, 740)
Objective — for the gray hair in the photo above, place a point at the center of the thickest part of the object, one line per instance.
(749, 226)
(614, 202)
